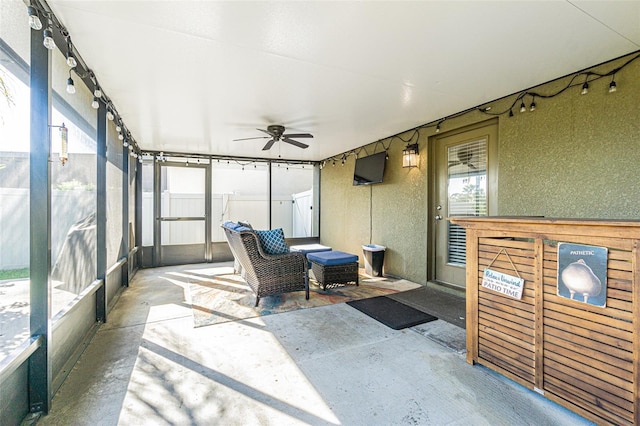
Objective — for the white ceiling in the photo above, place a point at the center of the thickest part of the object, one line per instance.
(191, 76)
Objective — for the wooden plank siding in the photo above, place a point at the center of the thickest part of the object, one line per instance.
(581, 356)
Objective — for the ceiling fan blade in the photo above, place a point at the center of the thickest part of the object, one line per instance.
(246, 139)
(269, 145)
(267, 132)
(298, 135)
(296, 143)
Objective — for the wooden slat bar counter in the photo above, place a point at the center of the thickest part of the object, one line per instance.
(581, 356)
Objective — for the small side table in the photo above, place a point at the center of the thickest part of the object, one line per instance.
(332, 268)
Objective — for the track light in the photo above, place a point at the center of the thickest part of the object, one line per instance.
(34, 19)
(71, 88)
(95, 104)
(523, 108)
(612, 86)
(47, 38)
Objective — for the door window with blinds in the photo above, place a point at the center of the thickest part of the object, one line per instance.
(466, 191)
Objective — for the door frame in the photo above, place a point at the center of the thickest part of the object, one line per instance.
(188, 253)
(432, 190)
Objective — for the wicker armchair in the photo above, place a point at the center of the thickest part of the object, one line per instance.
(268, 274)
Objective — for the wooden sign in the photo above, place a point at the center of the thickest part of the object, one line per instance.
(503, 283)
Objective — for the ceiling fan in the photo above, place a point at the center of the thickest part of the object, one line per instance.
(464, 157)
(276, 133)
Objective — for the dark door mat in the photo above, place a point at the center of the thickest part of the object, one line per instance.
(445, 306)
(393, 314)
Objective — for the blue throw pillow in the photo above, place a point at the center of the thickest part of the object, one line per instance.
(272, 241)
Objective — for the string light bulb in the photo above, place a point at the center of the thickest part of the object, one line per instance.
(120, 136)
(95, 104)
(585, 88)
(438, 128)
(47, 38)
(612, 86)
(71, 88)
(118, 128)
(97, 92)
(34, 19)
(125, 143)
(71, 60)
(110, 115)
(532, 107)
(523, 107)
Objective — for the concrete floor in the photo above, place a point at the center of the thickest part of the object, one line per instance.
(329, 365)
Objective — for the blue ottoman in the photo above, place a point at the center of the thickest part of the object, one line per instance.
(333, 268)
(310, 248)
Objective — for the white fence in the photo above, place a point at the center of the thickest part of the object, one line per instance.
(252, 209)
(293, 214)
(67, 208)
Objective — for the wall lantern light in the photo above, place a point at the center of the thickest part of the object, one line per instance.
(64, 143)
(410, 157)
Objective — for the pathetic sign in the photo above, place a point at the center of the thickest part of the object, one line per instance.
(582, 273)
(503, 283)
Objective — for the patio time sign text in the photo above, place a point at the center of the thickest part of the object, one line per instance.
(503, 283)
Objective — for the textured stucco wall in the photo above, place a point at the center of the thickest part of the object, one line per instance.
(575, 156)
(392, 213)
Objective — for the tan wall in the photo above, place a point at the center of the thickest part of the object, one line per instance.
(575, 156)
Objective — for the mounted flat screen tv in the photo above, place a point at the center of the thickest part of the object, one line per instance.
(369, 169)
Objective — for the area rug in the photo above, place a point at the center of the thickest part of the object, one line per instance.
(226, 297)
(393, 314)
